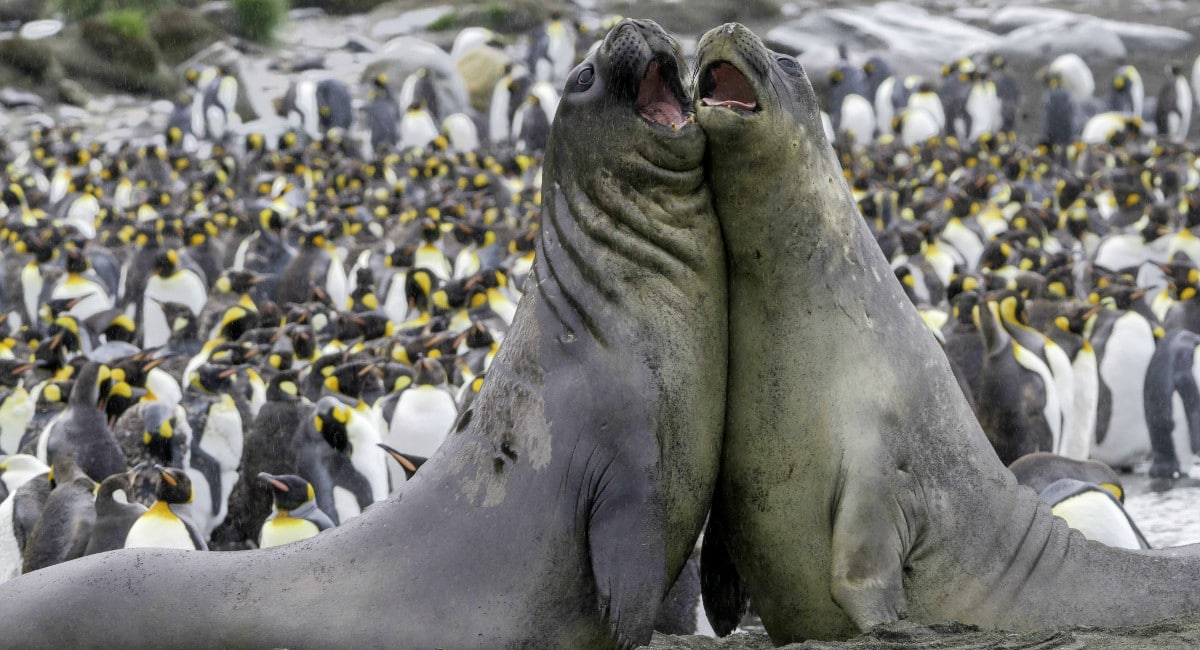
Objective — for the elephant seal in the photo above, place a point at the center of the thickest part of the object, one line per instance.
(856, 487)
(566, 499)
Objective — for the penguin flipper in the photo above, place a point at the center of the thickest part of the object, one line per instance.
(211, 470)
(344, 475)
(194, 534)
(28, 503)
(721, 590)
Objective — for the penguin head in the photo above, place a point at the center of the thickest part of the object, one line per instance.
(429, 372)
(158, 430)
(284, 387)
(214, 378)
(288, 490)
(174, 486)
(180, 318)
(330, 419)
(165, 263)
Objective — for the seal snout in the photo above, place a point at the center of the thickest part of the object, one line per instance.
(722, 84)
(660, 97)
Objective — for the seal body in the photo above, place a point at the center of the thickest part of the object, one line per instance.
(856, 486)
(568, 497)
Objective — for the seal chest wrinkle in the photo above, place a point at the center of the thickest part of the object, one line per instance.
(856, 485)
(566, 499)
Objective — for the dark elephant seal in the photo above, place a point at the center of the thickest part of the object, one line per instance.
(567, 499)
(856, 486)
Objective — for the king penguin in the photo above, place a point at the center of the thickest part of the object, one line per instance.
(63, 531)
(1173, 112)
(296, 515)
(115, 513)
(424, 414)
(1093, 511)
(16, 473)
(172, 281)
(81, 433)
(168, 524)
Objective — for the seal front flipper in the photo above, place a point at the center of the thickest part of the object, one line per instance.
(868, 550)
(628, 552)
(725, 599)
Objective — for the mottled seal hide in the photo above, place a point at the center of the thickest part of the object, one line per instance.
(566, 499)
(856, 486)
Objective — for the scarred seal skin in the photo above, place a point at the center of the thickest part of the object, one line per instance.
(856, 486)
(569, 495)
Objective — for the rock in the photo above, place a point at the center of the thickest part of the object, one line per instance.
(33, 59)
(251, 102)
(899, 28)
(92, 50)
(182, 32)
(72, 92)
(1091, 39)
(339, 7)
(1135, 37)
(38, 29)
(221, 14)
(306, 13)
(480, 68)
(408, 22)
(360, 44)
(21, 10)
(14, 98)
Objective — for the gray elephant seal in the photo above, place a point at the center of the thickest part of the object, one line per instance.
(856, 486)
(571, 494)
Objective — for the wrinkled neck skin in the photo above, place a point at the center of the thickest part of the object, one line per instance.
(563, 503)
(845, 422)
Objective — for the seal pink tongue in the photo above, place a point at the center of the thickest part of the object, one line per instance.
(729, 88)
(656, 102)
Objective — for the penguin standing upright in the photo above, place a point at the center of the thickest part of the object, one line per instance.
(115, 513)
(1127, 94)
(297, 516)
(168, 524)
(552, 54)
(171, 282)
(315, 267)
(417, 127)
(1059, 114)
(1124, 342)
(1011, 399)
(424, 414)
(63, 531)
(16, 471)
(382, 115)
(17, 405)
(353, 433)
(1173, 112)
(81, 433)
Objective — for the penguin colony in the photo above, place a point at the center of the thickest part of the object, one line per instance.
(213, 340)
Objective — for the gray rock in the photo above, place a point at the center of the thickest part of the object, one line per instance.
(896, 27)
(306, 13)
(1091, 39)
(408, 22)
(72, 92)
(21, 10)
(14, 98)
(1136, 37)
(360, 44)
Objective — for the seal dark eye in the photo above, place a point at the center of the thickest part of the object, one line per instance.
(788, 63)
(585, 78)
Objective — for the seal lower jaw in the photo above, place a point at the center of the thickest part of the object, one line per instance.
(722, 84)
(660, 97)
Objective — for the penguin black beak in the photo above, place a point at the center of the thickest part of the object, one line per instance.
(409, 467)
(166, 476)
(275, 482)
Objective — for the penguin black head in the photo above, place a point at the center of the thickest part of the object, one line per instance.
(141, 483)
(165, 263)
(329, 419)
(288, 490)
(180, 319)
(428, 372)
(284, 387)
(158, 431)
(174, 486)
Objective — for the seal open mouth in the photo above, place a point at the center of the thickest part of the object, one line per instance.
(724, 85)
(660, 94)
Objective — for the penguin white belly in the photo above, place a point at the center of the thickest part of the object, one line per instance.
(93, 298)
(1052, 411)
(1184, 242)
(164, 387)
(430, 257)
(31, 290)
(15, 415)
(498, 112)
(1077, 442)
(1123, 370)
(10, 553)
(1121, 251)
(395, 303)
(466, 263)
(1098, 518)
(422, 418)
(335, 280)
(884, 111)
(367, 457)
(283, 529)
(158, 527)
(202, 514)
(346, 504)
(1181, 435)
(1064, 383)
(858, 120)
